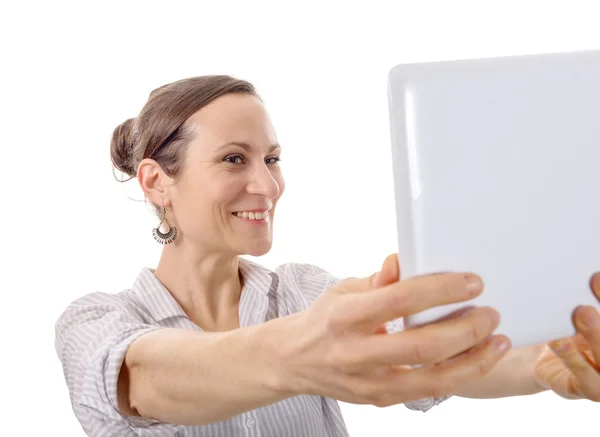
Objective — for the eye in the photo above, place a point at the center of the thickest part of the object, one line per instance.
(234, 159)
(273, 160)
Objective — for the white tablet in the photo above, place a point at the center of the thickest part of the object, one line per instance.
(497, 171)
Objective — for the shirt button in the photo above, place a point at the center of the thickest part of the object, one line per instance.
(250, 422)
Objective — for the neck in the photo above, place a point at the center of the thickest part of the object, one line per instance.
(206, 285)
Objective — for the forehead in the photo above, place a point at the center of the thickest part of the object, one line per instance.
(234, 117)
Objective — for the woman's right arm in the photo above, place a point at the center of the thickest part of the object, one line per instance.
(194, 378)
(337, 348)
(123, 373)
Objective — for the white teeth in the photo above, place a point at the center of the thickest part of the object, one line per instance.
(253, 215)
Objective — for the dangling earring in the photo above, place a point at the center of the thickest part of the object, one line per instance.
(169, 236)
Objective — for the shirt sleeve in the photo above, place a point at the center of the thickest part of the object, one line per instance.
(92, 337)
(425, 405)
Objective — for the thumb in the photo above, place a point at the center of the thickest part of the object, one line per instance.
(389, 273)
(595, 284)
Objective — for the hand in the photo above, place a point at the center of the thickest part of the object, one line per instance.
(342, 350)
(571, 367)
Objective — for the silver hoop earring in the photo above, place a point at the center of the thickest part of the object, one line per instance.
(167, 237)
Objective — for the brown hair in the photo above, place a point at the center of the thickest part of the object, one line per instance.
(160, 131)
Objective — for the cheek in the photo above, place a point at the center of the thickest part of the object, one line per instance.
(224, 192)
(281, 182)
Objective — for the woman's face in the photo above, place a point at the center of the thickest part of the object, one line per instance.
(231, 181)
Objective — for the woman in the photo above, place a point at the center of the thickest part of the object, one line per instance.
(211, 344)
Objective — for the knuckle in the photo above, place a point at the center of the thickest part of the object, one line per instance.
(474, 332)
(337, 359)
(451, 288)
(406, 297)
(540, 374)
(479, 361)
(427, 351)
(483, 367)
(382, 402)
(455, 286)
(480, 324)
(365, 393)
(439, 386)
(344, 360)
(479, 328)
(448, 287)
(335, 321)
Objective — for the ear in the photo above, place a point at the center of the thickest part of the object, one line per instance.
(154, 182)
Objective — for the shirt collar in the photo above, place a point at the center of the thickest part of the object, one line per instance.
(256, 277)
(159, 302)
(162, 305)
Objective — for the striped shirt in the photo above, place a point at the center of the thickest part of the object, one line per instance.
(94, 332)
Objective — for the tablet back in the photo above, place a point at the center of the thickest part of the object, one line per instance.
(497, 171)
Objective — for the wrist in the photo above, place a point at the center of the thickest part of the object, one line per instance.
(275, 341)
(531, 381)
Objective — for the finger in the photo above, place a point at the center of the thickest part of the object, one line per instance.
(587, 322)
(446, 378)
(595, 284)
(429, 344)
(409, 297)
(390, 272)
(586, 378)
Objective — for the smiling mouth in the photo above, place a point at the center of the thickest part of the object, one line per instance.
(258, 216)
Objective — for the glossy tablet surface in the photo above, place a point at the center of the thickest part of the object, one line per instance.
(497, 171)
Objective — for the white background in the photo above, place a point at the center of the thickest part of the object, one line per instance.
(71, 72)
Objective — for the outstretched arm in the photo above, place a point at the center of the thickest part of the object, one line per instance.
(570, 367)
(514, 375)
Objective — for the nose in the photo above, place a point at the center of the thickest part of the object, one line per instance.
(263, 183)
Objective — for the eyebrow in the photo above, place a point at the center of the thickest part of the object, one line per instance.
(247, 146)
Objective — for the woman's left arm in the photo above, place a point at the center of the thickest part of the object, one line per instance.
(570, 367)
(514, 375)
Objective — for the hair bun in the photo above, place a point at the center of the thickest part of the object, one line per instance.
(122, 147)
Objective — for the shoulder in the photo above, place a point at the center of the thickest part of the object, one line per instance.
(308, 281)
(94, 304)
(302, 283)
(306, 274)
(291, 273)
(102, 309)
(146, 301)
(94, 311)
(102, 302)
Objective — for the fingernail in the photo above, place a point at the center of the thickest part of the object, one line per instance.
(559, 346)
(502, 345)
(474, 284)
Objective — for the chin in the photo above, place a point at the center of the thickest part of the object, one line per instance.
(259, 249)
